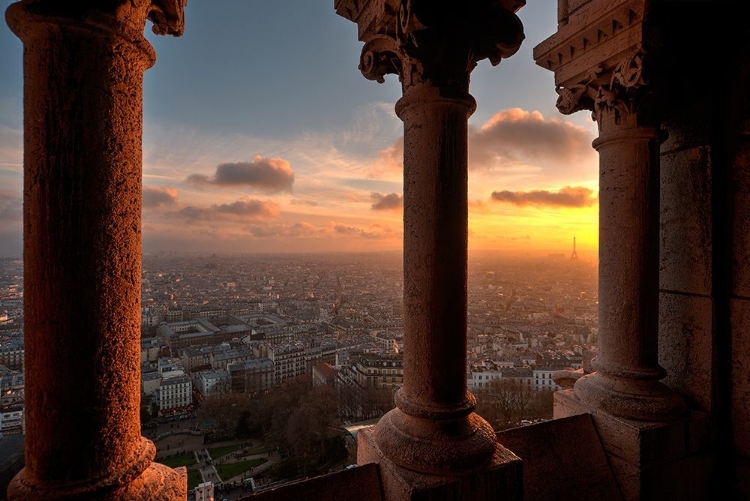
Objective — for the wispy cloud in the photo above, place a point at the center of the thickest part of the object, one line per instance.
(265, 174)
(296, 230)
(11, 210)
(569, 196)
(303, 202)
(374, 231)
(239, 210)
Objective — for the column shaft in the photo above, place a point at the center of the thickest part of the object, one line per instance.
(433, 429)
(626, 383)
(629, 253)
(82, 261)
(435, 249)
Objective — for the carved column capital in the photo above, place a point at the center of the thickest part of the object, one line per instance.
(425, 42)
(613, 94)
(125, 18)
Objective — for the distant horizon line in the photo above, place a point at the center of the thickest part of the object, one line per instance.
(217, 253)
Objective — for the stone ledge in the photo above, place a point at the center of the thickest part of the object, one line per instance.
(500, 480)
(640, 442)
(563, 459)
(652, 460)
(355, 484)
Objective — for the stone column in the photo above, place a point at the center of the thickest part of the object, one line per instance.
(433, 436)
(626, 383)
(83, 80)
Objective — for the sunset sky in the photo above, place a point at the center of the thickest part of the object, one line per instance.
(261, 135)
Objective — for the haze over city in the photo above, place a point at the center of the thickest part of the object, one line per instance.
(255, 141)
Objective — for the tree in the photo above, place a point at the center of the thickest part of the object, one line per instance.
(504, 402)
(226, 411)
(312, 423)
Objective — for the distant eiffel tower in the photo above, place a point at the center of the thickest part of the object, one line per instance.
(574, 256)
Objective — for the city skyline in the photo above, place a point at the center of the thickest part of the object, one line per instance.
(259, 142)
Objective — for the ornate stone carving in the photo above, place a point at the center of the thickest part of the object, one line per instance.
(620, 94)
(423, 41)
(168, 16)
(578, 96)
(623, 94)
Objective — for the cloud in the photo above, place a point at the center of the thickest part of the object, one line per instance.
(478, 206)
(11, 209)
(301, 229)
(155, 197)
(301, 201)
(11, 223)
(390, 161)
(391, 202)
(510, 137)
(521, 136)
(569, 196)
(265, 174)
(374, 231)
(239, 210)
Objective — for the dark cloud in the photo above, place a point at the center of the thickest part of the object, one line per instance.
(155, 197)
(242, 209)
(392, 201)
(266, 174)
(518, 135)
(569, 196)
(509, 137)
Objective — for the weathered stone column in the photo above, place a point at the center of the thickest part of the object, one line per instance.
(626, 383)
(83, 80)
(433, 437)
(598, 64)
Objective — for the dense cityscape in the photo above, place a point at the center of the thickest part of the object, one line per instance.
(257, 369)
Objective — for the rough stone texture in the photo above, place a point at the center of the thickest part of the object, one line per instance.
(355, 484)
(651, 460)
(500, 479)
(83, 79)
(628, 275)
(742, 473)
(685, 211)
(685, 346)
(740, 318)
(157, 483)
(563, 459)
(741, 219)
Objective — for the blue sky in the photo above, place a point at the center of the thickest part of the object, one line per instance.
(274, 87)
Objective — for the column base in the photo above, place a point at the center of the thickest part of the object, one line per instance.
(500, 478)
(651, 460)
(643, 400)
(157, 482)
(435, 447)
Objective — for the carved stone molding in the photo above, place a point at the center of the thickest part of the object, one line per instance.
(594, 32)
(428, 42)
